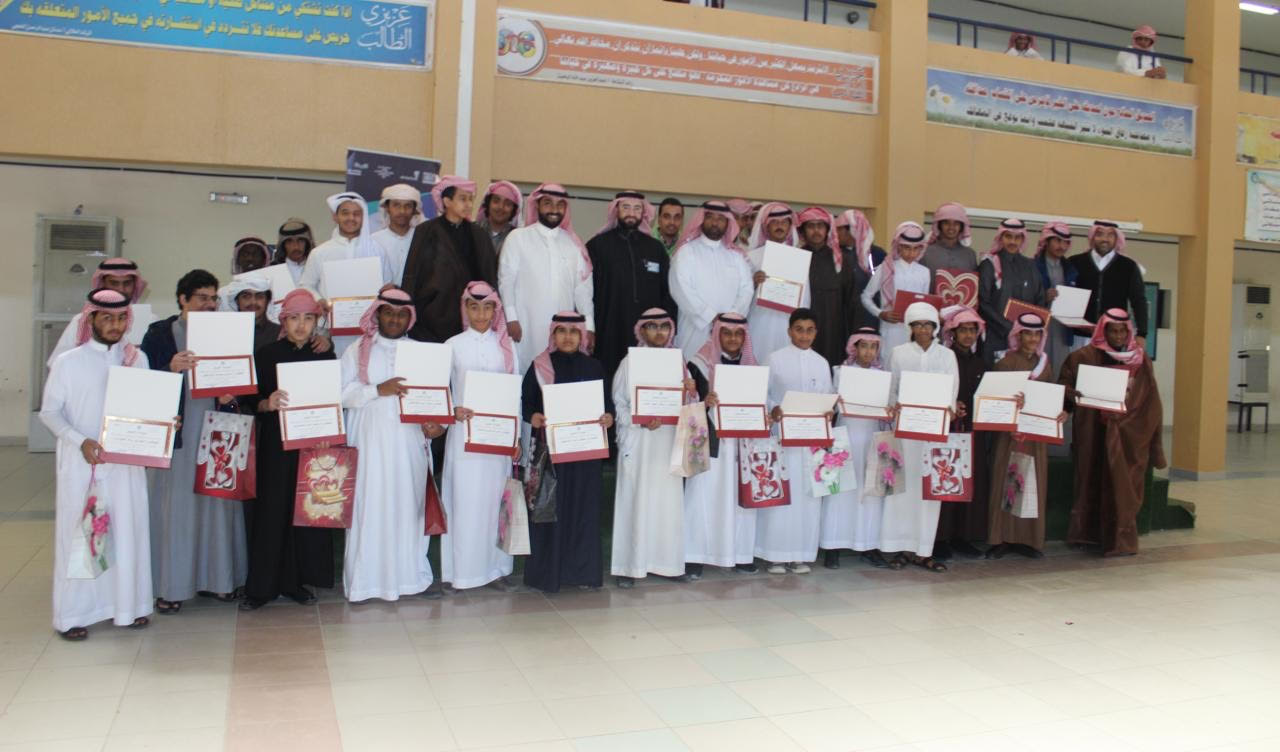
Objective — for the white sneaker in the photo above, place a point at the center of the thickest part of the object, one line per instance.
(777, 569)
(800, 567)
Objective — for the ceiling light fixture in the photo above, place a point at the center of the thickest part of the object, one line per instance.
(1265, 10)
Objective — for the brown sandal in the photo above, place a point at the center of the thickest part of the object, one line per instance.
(75, 634)
(929, 563)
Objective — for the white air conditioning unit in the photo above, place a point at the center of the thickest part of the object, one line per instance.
(68, 251)
(1250, 343)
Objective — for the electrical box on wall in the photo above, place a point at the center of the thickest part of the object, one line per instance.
(1251, 312)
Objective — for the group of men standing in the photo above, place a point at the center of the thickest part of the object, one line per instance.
(490, 288)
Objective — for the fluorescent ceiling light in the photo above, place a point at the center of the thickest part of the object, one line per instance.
(1265, 10)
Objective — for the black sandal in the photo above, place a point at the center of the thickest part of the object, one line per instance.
(875, 559)
(141, 622)
(168, 607)
(75, 634)
(221, 597)
(898, 562)
(929, 563)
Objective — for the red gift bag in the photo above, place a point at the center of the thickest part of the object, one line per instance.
(326, 490)
(226, 459)
(948, 469)
(436, 523)
(762, 474)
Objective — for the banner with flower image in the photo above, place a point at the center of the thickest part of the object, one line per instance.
(830, 469)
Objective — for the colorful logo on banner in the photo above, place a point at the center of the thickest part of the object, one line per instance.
(1257, 140)
(1262, 206)
(648, 58)
(368, 172)
(357, 31)
(1046, 111)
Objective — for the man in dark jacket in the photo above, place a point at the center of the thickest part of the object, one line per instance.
(831, 284)
(1114, 279)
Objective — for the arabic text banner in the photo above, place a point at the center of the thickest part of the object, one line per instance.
(1034, 109)
(355, 31)
(602, 53)
(1262, 206)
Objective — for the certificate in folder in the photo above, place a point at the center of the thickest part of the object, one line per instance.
(656, 377)
(223, 344)
(573, 413)
(1069, 307)
(314, 413)
(786, 274)
(494, 400)
(425, 368)
(903, 299)
(1042, 404)
(350, 285)
(995, 405)
(804, 419)
(138, 426)
(743, 392)
(1102, 388)
(864, 392)
(924, 402)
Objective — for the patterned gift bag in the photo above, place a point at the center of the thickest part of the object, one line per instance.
(691, 452)
(513, 520)
(90, 553)
(1021, 496)
(326, 489)
(830, 469)
(948, 469)
(226, 460)
(762, 474)
(886, 473)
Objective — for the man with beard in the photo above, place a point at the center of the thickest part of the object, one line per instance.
(545, 269)
(500, 211)
(670, 223)
(447, 253)
(629, 275)
(72, 408)
(709, 275)
(117, 274)
(249, 254)
(401, 211)
(1113, 279)
(293, 245)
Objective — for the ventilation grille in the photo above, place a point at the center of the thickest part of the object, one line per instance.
(93, 237)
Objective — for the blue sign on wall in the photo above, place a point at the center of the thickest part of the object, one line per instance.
(355, 31)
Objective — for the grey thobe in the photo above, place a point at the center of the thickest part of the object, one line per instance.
(938, 256)
(197, 542)
(1020, 280)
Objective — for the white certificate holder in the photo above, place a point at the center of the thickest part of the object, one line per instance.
(350, 285)
(425, 368)
(743, 392)
(138, 426)
(924, 402)
(223, 344)
(1041, 406)
(1102, 388)
(314, 413)
(494, 400)
(1069, 307)
(804, 420)
(656, 377)
(143, 317)
(864, 392)
(786, 274)
(995, 403)
(573, 413)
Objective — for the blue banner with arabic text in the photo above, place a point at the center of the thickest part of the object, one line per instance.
(356, 31)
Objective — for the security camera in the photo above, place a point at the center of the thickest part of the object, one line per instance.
(853, 16)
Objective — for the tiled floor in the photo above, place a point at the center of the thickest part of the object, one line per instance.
(1176, 649)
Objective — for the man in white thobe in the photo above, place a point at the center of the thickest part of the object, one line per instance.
(351, 239)
(401, 210)
(386, 551)
(787, 536)
(544, 269)
(121, 275)
(74, 399)
(709, 275)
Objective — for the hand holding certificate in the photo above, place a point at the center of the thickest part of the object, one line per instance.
(223, 345)
(573, 412)
(138, 423)
(1041, 409)
(425, 368)
(805, 419)
(1102, 388)
(351, 285)
(314, 414)
(493, 400)
(786, 272)
(864, 392)
(743, 392)
(996, 400)
(1069, 307)
(656, 377)
(924, 406)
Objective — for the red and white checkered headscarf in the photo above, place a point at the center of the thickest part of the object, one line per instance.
(449, 181)
(772, 210)
(480, 291)
(1012, 226)
(555, 190)
(504, 189)
(298, 302)
(646, 216)
(694, 228)
(392, 297)
(108, 301)
(865, 334)
(952, 211)
(1100, 224)
(564, 320)
(863, 235)
(709, 355)
(1030, 322)
(818, 214)
(119, 267)
(906, 234)
(953, 317)
(1055, 229)
(1132, 355)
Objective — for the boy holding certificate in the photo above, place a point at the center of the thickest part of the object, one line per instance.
(1010, 530)
(73, 410)
(961, 524)
(473, 481)
(648, 506)
(901, 271)
(787, 536)
(567, 551)
(284, 559)
(910, 522)
(1112, 450)
(386, 547)
(717, 530)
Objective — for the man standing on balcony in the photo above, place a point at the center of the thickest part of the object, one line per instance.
(1140, 59)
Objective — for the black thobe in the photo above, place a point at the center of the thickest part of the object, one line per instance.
(282, 557)
(629, 274)
(1019, 280)
(442, 259)
(265, 331)
(1117, 286)
(833, 298)
(567, 551)
(959, 520)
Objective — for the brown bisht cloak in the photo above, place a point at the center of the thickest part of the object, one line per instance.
(1005, 527)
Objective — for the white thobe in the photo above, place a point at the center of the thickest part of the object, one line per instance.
(473, 482)
(541, 273)
(768, 326)
(716, 530)
(67, 340)
(393, 249)
(706, 280)
(72, 409)
(851, 519)
(295, 270)
(910, 523)
(386, 552)
(1029, 53)
(648, 506)
(336, 248)
(1136, 62)
(790, 533)
(913, 277)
